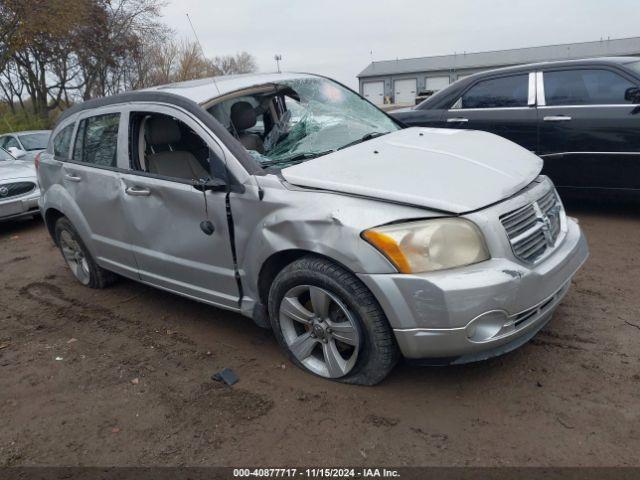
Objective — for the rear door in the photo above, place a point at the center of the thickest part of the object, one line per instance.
(164, 210)
(504, 105)
(589, 133)
(92, 179)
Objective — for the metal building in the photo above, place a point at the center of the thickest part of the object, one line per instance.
(398, 81)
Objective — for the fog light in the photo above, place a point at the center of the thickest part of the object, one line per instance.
(486, 326)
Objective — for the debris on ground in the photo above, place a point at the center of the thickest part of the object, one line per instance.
(564, 424)
(381, 421)
(59, 359)
(72, 340)
(135, 381)
(4, 345)
(225, 375)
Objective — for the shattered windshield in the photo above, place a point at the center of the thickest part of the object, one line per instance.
(300, 119)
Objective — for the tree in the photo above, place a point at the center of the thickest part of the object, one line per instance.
(9, 22)
(242, 62)
(55, 52)
(41, 47)
(114, 38)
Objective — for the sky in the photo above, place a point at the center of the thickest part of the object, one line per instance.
(340, 38)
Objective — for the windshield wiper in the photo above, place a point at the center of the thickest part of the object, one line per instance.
(364, 138)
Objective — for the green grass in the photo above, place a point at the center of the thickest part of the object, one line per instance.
(10, 122)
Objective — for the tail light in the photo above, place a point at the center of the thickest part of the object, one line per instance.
(36, 160)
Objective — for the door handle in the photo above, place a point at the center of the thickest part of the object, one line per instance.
(557, 118)
(457, 120)
(72, 178)
(137, 191)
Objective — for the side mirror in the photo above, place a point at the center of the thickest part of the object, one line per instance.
(632, 94)
(16, 152)
(213, 184)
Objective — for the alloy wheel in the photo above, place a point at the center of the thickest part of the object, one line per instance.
(319, 330)
(75, 257)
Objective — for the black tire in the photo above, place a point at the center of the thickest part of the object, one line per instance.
(98, 277)
(378, 351)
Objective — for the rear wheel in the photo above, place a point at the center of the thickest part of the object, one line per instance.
(79, 259)
(330, 324)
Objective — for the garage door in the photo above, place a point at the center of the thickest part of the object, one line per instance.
(436, 83)
(374, 92)
(405, 91)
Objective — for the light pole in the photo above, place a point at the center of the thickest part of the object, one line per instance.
(277, 57)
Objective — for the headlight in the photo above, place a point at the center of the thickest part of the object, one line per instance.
(429, 245)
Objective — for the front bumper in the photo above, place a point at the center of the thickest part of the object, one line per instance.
(479, 311)
(13, 208)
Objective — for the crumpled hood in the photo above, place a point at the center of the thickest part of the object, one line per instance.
(10, 169)
(455, 171)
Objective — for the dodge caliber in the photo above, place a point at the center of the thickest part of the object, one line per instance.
(290, 199)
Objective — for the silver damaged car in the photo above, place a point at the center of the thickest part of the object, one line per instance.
(294, 201)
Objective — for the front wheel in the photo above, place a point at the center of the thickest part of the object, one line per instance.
(330, 324)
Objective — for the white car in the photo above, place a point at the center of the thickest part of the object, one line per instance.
(25, 145)
(19, 190)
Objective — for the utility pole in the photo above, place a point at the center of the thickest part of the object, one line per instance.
(277, 57)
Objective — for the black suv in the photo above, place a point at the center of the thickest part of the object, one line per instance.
(581, 116)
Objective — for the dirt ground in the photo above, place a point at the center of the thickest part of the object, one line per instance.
(122, 377)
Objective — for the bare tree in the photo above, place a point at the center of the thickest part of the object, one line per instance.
(242, 62)
(115, 36)
(173, 61)
(191, 64)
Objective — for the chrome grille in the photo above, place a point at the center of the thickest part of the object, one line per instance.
(14, 189)
(534, 228)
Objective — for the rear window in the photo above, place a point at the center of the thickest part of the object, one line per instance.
(62, 142)
(502, 92)
(97, 140)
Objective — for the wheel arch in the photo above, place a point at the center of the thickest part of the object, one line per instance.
(277, 261)
(51, 216)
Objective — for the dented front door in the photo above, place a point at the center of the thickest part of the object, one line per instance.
(171, 250)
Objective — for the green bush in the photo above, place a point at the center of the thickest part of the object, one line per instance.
(16, 122)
